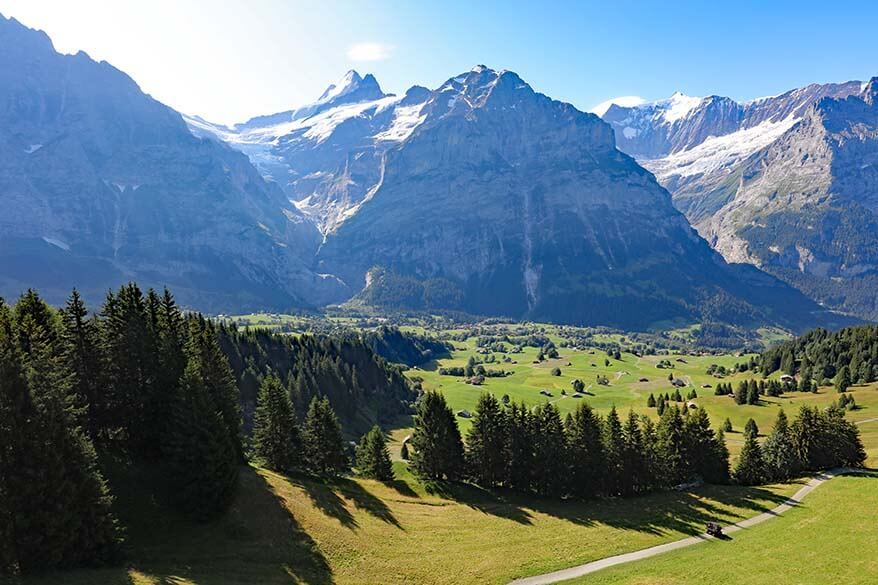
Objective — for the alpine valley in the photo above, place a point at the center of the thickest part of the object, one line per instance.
(481, 196)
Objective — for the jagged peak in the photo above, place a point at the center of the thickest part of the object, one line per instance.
(870, 91)
(349, 83)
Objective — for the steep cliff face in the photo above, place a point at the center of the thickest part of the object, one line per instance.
(804, 208)
(100, 183)
(786, 183)
(503, 201)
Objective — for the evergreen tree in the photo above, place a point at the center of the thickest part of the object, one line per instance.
(727, 426)
(201, 462)
(485, 455)
(56, 504)
(436, 443)
(650, 402)
(614, 453)
(585, 451)
(219, 381)
(843, 379)
(276, 438)
(82, 361)
(670, 445)
(322, 440)
(750, 428)
(518, 448)
(404, 451)
(779, 451)
(548, 438)
(635, 477)
(373, 459)
(707, 456)
(742, 392)
(750, 469)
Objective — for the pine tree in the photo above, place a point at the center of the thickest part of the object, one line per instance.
(727, 426)
(276, 438)
(56, 504)
(843, 379)
(83, 362)
(373, 459)
(201, 461)
(742, 392)
(750, 469)
(436, 443)
(485, 455)
(781, 462)
(670, 437)
(404, 451)
(549, 444)
(585, 451)
(322, 440)
(650, 402)
(518, 448)
(219, 381)
(614, 453)
(634, 460)
(750, 428)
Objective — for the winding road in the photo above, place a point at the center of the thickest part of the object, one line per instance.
(580, 570)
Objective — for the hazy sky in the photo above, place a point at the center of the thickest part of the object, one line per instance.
(230, 60)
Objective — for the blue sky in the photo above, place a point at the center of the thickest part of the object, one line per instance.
(228, 61)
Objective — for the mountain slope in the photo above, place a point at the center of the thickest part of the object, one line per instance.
(326, 155)
(503, 201)
(100, 184)
(784, 183)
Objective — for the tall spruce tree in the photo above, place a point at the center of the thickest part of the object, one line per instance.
(83, 362)
(219, 381)
(276, 437)
(56, 502)
(485, 456)
(614, 454)
(781, 462)
(373, 458)
(518, 448)
(585, 450)
(670, 441)
(634, 458)
(550, 468)
(750, 469)
(202, 467)
(322, 440)
(437, 449)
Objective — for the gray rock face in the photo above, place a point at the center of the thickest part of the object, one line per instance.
(503, 201)
(791, 188)
(100, 184)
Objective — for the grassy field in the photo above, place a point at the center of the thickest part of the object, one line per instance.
(626, 391)
(294, 530)
(829, 538)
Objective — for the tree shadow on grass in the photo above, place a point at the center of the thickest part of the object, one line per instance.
(495, 503)
(257, 540)
(324, 494)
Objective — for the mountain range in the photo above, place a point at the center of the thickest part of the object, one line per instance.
(481, 195)
(787, 183)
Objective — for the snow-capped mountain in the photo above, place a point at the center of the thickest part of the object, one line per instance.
(778, 182)
(327, 155)
(101, 184)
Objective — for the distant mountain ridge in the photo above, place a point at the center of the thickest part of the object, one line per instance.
(784, 183)
(481, 196)
(101, 184)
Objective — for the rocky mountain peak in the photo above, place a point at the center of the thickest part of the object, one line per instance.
(352, 84)
(870, 91)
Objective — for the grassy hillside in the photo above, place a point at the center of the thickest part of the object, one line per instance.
(829, 538)
(293, 530)
(627, 391)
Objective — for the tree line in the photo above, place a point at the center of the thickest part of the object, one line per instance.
(532, 450)
(142, 383)
(584, 455)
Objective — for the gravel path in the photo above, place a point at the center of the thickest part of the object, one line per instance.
(580, 570)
